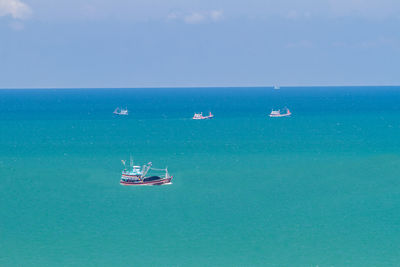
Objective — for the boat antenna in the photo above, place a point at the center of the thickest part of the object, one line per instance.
(131, 161)
(146, 169)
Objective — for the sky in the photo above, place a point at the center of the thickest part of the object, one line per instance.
(180, 43)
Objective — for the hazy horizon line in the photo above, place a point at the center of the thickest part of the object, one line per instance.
(192, 87)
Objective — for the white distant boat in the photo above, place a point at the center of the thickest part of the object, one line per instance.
(276, 87)
(121, 111)
(277, 113)
(199, 116)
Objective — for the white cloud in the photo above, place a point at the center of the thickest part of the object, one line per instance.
(203, 11)
(197, 17)
(295, 14)
(292, 14)
(14, 8)
(216, 15)
(172, 16)
(194, 18)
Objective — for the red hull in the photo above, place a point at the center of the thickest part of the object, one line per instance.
(155, 182)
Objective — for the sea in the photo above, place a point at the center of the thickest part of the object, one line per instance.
(318, 188)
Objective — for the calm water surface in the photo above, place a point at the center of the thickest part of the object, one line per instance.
(320, 188)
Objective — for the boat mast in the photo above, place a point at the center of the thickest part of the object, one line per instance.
(131, 161)
(146, 169)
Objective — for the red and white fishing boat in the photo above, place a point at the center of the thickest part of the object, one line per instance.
(277, 113)
(136, 175)
(199, 116)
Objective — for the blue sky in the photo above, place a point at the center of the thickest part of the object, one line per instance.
(162, 43)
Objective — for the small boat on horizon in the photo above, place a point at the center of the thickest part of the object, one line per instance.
(136, 175)
(277, 87)
(277, 113)
(121, 111)
(199, 116)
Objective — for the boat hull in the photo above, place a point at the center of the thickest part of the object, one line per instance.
(160, 181)
(203, 119)
(280, 115)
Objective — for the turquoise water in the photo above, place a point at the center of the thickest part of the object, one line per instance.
(320, 188)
